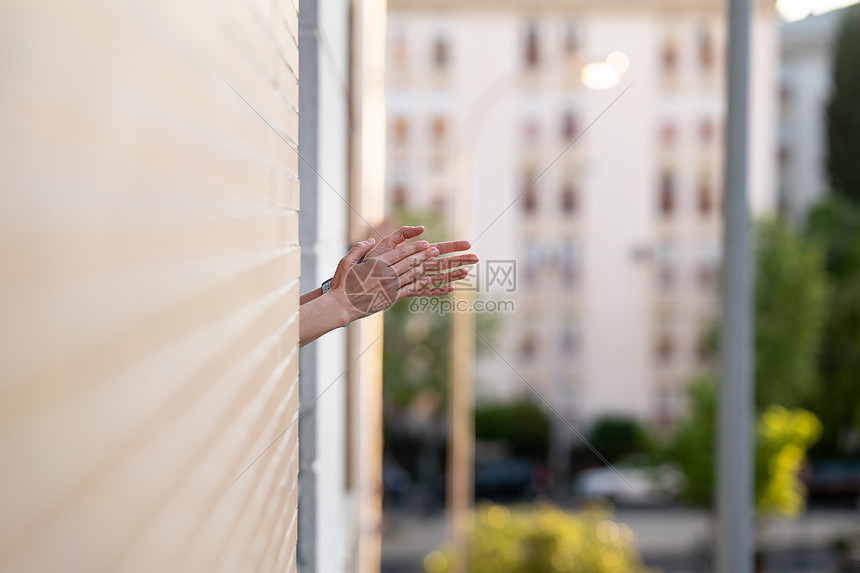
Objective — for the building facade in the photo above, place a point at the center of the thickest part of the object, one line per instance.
(591, 135)
(806, 72)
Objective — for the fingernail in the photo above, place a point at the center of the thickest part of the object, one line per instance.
(434, 251)
(370, 241)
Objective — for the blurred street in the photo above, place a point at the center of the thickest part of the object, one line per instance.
(668, 539)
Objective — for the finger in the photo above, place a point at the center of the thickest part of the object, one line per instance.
(413, 288)
(403, 234)
(437, 279)
(412, 261)
(414, 274)
(432, 291)
(403, 251)
(452, 246)
(437, 264)
(359, 250)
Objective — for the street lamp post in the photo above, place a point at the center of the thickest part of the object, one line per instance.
(461, 438)
(734, 448)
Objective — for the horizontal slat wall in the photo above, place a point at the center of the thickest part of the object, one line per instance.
(149, 270)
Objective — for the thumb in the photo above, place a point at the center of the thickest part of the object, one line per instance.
(358, 251)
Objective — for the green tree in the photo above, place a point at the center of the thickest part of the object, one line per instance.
(544, 538)
(523, 426)
(843, 110)
(617, 437)
(791, 294)
(835, 225)
(692, 444)
(782, 439)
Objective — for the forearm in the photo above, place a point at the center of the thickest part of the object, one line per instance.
(310, 295)
(322, 314)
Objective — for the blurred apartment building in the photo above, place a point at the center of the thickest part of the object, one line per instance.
(806, 72)
(617, 243)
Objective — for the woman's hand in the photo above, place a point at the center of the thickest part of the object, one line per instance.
(442, 271)
(378, 282)
(391, 270)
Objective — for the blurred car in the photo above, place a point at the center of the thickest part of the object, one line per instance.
(509, 479)
(502, 481)
(837, 480)
(628, 485)
(396, 482)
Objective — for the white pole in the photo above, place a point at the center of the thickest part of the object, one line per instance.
(734, 451)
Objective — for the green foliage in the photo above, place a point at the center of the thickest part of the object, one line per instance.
(618, 437)
(790, 304)
(835, 225)
(781, 442)
(691, 446)
(521, 425)
(415, 354)
(545, 538)
(791, 296)
(843, 111)
(782, 439)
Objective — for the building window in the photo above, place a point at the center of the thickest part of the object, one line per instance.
(400, 129)
(569, 263)
(706, 276)
(532, 51)
(667, 407)
(706, 198)
(441, 53)
(707, 53)
(398, 51)
(571, 40)
(528, 347)
(707, 261)
(399, 196)
(531, 130)
(706, 131)
(529, 197)
(665, 348)
(439, 127)
(570, 338)
(667, 194)
(569, 199)
(666, 260)
(704, 347)
(784, 156)
(439, 202)
(532, 262)
(530, 200)
(569, 126)
(669, 55)
(668, 134)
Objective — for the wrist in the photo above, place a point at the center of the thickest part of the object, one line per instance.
(343, 310)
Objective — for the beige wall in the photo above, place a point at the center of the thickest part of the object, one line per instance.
(148, 286)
